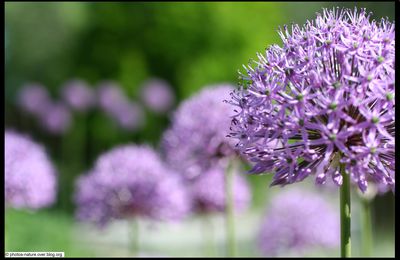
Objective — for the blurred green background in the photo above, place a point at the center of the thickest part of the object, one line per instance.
(190, 45)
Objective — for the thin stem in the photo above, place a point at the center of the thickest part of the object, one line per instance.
(229, 212)
(133, 232)
(345, 215)
(366, 228)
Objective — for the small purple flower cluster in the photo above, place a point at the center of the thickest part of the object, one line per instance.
(78, 95)
(325, 98)
(33, 98)
(54, 116)
(157, 95)
(117, 106)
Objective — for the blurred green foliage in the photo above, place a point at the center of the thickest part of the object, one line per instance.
(188, 44)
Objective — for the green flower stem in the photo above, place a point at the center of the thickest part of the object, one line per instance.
(366, 228)
(345, 215)
(229, 211)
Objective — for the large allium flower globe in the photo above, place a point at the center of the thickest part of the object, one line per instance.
(198, 138)
(30, 178)
(325, 98)
(130, 181)
(296, 222)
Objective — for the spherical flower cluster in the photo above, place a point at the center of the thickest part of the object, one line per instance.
(198, 135)
(117, 106)
(197, 146)
(297, 221)
(130, 181)
(157, 95)
(56, 118)
(324, 99)
(208, 191)
(78, 95)
(30, 178)
(33, 98)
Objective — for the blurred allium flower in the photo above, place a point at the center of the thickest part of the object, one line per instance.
(30, 179)
(109, 94)
(326, 96)
(197, 146)
(157, 95)
(78, 95)
(116, 105)
(130, 181)
(129, 115)
(208, 191)
(56, 118)
(298, 221)
(33, 98)
(198, 135)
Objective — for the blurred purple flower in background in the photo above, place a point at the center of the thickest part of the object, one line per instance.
(197, 147)
(129, 115)
(197, 137)
(33, 98)
(30, 178)
(116, 105)
(131, 181)
(56, 118)
(157, 95)
(208, 191)
(298, 221)
(78, 95)
(109, 94)
(326, 97)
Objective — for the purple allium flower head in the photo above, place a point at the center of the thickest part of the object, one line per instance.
(208, 191)
(157, 95)
(298, 221)
(131, 181)
(33, 98)
(198, 135)
(30, 179)
(116, 105)
(129, 115)
(56, 119)
(323, 99)
(109, 94)
(78, 95)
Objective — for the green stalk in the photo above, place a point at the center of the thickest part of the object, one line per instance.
(345, 215)
(366, 228)
(229, 212)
